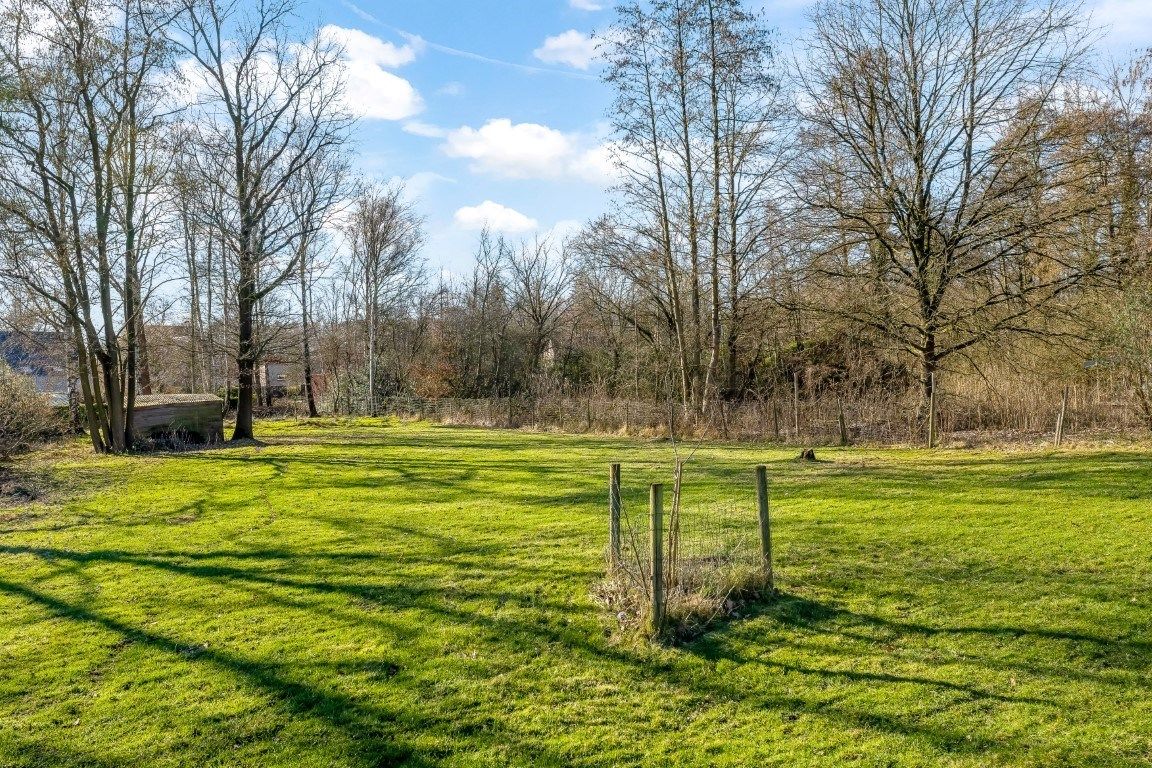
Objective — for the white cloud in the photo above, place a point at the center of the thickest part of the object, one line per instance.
(571, 48)
(373, 92)
(427, 130)
(529, 151)
(451, 89)
(361, 46)
(586, 5)
(595, 165)
(520, 151)
(1127, 24)
(498, 217)
(420, 183)
(563, 230)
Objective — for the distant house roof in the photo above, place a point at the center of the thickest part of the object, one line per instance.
(36, 353)
(41, 356)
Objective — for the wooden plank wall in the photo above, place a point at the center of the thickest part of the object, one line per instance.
(202, 419)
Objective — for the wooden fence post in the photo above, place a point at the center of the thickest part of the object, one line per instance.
(765, 525)
(1060, 418)
(843, 424)
(932, 411)
(614, 516)
(656, 544)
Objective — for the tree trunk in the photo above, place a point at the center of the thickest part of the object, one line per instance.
(144, 364)
(711, 378)
(246, 357)
(929, 363)
(305, 331)
(310, 390)
(84, 374)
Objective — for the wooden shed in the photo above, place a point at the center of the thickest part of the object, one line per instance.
(199, 418)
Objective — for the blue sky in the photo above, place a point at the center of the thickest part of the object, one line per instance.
(492, 111)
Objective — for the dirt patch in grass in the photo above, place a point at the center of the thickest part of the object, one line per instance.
(23, 496)
(47, 476)
(20, 486)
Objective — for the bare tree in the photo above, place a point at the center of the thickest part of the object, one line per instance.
(271, 109)
(79, 137)
(385, 235)
(696, 115)
(541, 280)
(1118, 147)
(316, 197)
(939, 200)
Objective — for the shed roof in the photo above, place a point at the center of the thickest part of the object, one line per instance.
(156, 401)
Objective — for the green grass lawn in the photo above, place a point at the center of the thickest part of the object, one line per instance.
(380, 594)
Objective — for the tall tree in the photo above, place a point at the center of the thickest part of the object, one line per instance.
(316, 197)
(541, 281)
(79, 134)
(385, 234)
(696, 120)
(929, 149)
(270, 109)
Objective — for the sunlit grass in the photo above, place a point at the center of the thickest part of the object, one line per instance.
(370, 594)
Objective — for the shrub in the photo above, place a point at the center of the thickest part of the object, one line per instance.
(25, 415)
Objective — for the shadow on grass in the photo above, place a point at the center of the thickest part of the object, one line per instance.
(297, 699)
(450, 583)
(376, 733)
(38, 752)
(804, 615)
(798, 613)
(380, 739)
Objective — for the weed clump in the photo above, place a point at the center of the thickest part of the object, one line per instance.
(699, 592)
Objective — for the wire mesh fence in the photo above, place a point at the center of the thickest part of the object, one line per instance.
(877, 418)
(690, 554)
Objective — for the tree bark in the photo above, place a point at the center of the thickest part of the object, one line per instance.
(246, 352)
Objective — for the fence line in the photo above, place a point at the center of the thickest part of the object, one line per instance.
(825, 419)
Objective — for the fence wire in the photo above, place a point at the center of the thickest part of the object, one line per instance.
(712, 561)
(874, 418)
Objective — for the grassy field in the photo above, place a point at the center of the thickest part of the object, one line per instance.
(382, 594)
